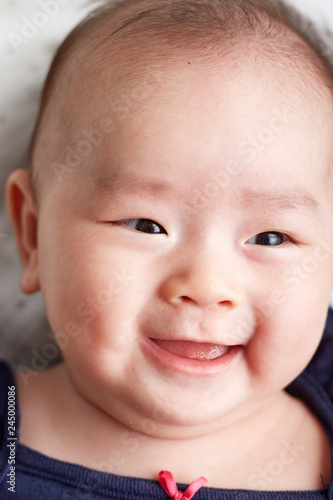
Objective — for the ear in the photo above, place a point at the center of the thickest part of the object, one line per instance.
(23, 214)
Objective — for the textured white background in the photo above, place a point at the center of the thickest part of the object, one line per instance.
(23, 324)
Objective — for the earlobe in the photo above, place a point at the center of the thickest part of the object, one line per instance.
(23, 214)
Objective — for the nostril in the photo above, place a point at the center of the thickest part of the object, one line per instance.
(189, 291)
(225, 303)
(184, 298)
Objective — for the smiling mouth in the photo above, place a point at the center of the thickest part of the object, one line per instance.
(192, 350)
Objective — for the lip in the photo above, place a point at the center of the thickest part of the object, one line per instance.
(189, 366)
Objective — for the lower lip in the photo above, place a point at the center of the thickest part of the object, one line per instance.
(186, 365)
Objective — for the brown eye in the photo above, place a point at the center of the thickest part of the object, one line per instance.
(144, 226)
(269, 239)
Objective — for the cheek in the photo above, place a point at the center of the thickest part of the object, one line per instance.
(82, 280)
(290, 323)
(93, 294)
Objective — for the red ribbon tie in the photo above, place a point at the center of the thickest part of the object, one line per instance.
(166, 480)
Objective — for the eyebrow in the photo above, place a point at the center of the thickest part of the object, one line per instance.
(130, 182)
(280, 199)
(276, 199)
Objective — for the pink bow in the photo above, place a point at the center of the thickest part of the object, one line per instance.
(166, 480)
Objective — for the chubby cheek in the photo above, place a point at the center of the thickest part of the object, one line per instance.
(290, 323)
(91, 289)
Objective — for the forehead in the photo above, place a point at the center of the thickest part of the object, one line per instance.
(122, 80)
(192, 87)
(236, 110)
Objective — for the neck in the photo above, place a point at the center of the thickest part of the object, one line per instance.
(207, 450)
(228, 453)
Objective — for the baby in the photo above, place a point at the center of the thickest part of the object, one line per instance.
(178, 219)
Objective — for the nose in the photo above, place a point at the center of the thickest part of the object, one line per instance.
(203, 280)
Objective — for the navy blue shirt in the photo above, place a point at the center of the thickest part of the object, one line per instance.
(38, 476)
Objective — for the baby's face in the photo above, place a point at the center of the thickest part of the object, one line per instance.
(205, 217)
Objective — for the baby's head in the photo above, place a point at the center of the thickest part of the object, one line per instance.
(179, 221)
(119, 55)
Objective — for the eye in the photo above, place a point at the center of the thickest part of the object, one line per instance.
(144, 226)
(269, 239)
